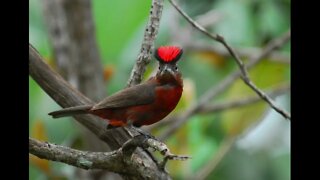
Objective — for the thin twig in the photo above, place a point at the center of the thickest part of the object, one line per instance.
(244, 72)
(146, 50)
(245, 77)
(221, 87)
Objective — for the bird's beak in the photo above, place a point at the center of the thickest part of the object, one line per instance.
(167, 69)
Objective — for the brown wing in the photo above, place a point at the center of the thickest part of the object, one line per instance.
(136, 95)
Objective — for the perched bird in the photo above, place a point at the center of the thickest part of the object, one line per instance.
(143, 104)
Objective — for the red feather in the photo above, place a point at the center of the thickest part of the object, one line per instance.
(168, 53)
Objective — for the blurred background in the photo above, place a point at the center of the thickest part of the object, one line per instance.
(247, 142)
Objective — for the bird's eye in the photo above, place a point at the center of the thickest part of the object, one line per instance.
(159, 68)
(176, 68)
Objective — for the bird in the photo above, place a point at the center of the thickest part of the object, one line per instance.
(142, 104)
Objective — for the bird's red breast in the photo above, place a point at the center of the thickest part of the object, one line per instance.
(167, 99)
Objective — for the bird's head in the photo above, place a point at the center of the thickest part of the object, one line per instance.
(168, 56)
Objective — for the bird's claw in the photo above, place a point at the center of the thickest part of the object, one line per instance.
(169, 156)
(149, 141)
(146, 134)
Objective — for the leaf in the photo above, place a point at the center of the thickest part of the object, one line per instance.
(265, 75)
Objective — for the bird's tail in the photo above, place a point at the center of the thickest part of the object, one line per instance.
(83, 109)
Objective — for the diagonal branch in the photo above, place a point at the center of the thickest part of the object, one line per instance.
(245, 77)
(243, 69)
(66, 96)
(221, 87)
(150, 34)
(61, 91)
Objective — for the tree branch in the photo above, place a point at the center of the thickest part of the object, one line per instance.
(115, 161)
(81, 159)
(61, 91)
(146, 50)
(243, 69)
(221, 87)
(245, 77)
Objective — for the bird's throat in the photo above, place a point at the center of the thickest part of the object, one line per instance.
(171, 80)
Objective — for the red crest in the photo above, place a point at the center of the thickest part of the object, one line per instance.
(168, 54)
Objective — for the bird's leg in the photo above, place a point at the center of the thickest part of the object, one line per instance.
(145, 141)
(142, 137)
(140, 131)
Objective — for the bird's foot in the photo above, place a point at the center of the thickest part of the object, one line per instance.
(164, 150)
(169, 156)
(145, 143)
(145, 140)
(146, 134)
(139, 131)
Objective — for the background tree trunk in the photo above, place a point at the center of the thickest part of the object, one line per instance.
(72, 33)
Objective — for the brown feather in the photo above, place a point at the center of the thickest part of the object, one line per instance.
(82, 109)
(133, 96)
